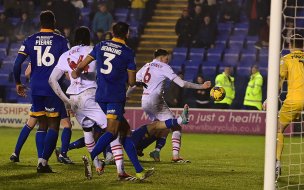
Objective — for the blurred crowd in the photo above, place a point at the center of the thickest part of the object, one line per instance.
(19, 18)
(197, 26)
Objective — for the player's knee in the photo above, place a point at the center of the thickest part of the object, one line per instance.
(66, 123)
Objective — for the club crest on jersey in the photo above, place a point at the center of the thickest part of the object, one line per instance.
(73, 65)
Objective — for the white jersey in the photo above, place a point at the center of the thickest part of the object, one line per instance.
(154, 75)
(68, 62)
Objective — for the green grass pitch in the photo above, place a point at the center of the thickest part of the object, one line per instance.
(219, 162)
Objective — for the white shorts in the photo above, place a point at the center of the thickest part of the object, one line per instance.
(87, 111)
(156, 108)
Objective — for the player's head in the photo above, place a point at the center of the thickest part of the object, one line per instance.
(296, 42)
(228, 70)
(47, 20)
(121, 30)
(161, 55)
(82, 36)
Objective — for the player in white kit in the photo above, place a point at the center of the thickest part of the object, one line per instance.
(82, 96)
(154, 75)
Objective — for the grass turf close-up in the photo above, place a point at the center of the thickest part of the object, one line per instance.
(217, 162)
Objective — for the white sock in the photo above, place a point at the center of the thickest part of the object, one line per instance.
(89, 140)
(117, 151)
(157, 149)
(176, 143)
(43, 161)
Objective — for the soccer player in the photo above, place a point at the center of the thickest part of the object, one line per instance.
(31, 123)
(115, 67)
(154, 74)
(44, 49)
(82, 94)
(292, 70)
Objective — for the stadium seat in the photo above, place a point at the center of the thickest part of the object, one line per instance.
(214, 54)
(190, 73)
(176, 63)
(263, 71)
(251, 40)
(242, 71)
(247, 57)
(194, 64)
(196, 53)
(3, 78)
(220, 45)
(224, 26)
(231, 56)
(85, 11)
(180, 53)
(209, 72)
(242, 26)
(236, 44)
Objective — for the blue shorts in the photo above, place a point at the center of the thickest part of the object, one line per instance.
(113, 110)
(50, 106)
(139, 135)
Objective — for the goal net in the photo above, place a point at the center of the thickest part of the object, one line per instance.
(292, 159)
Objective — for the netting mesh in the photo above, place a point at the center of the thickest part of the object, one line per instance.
(292, 160)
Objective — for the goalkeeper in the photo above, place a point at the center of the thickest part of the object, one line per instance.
(292, 70)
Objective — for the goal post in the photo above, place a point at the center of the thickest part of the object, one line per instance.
(272, 93)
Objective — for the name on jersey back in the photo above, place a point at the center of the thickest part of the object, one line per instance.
(156, 65)
(111, 47)
(44, 40)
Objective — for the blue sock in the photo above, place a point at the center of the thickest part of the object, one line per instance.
(108, 149)
(171, 123)
(40, 136)
(49, 143)
(24, 133)
(146, 142)
(160, 143)
(77, 144)
(102, 144)
(131, 151)
(65, 140)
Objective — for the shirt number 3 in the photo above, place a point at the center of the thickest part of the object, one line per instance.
(107, 62)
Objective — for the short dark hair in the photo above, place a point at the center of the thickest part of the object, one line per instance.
(120, 30)
(82, 36)
(297, 41)
(160, 52)
(47, 19)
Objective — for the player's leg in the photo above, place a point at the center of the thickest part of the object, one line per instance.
(289, 111)
(61, 153)
(24, 133)
(38, 111)
(53, 107)
(117, 152)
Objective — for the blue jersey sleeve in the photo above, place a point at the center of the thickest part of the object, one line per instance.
(131, 62)
(94, 52)
(24, 49)
(22, 55)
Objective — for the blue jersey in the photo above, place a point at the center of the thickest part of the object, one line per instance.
(44, 49)
(113, 59)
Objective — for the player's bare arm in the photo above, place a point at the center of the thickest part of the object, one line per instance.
(53, 81)
(185, 84)
(76, 73)
(131, 78)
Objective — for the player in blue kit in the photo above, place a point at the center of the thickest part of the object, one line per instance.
(44, 49)
(115, 67)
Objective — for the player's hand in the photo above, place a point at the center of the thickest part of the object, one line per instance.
(207, 84)
(265, 105)
(21, 90)
(74, 74)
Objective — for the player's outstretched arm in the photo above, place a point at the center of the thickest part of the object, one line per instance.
(21, 89)
(185, 84)
(53, 81)
(76, 73)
